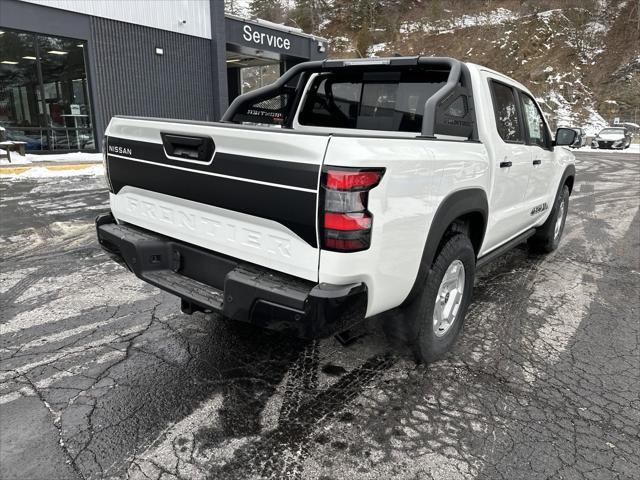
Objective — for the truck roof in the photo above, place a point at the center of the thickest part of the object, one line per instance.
(497, 74)
(413, 60)
(382, 61)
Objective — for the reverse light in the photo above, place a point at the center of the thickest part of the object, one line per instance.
(346, 222)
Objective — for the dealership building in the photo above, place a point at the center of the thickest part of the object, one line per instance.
(68, 66)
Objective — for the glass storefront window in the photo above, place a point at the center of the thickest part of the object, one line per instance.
(44, 95)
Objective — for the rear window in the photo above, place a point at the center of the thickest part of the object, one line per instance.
(391, 101)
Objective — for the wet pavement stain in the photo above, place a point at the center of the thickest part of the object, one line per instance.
(333, 370)
(102, 377)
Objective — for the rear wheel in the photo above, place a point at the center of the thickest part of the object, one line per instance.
(434, 319)
(547, 237)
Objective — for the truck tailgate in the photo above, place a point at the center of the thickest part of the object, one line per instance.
(255, 199)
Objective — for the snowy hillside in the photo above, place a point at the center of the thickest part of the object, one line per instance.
(581, 58)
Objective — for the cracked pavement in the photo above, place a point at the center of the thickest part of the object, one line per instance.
(101, 376)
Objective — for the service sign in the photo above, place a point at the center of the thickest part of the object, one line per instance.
(259, 37)
(272, 40)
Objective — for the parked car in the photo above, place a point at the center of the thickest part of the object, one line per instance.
(388, 183)
(581, 139)
(612, 137)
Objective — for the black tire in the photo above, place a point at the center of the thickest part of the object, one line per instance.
(545, 240)
(418, 315)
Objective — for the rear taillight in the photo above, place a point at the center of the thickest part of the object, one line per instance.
(346, 222)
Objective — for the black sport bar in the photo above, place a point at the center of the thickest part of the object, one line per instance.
(428, 122)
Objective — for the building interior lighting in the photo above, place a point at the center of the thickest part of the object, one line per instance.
(57, 52)
(234, 60)
(9, 62)
(28, 57)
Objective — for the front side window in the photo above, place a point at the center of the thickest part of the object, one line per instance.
(538, 134)
(507, 119)
(393, 101)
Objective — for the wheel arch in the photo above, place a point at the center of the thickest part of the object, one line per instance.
(465, 211)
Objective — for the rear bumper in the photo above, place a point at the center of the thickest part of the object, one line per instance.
(245, 292)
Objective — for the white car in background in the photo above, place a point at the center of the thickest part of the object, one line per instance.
(617, 138)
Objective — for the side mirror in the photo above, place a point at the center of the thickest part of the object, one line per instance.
(565, 137)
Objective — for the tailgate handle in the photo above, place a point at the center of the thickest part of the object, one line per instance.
(188, 147)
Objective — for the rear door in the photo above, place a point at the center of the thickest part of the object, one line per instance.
(253, 198)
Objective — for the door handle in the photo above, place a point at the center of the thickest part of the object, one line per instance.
(537, 162)
(188, 147)
(505, 164)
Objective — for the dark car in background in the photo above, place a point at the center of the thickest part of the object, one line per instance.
(612, 138)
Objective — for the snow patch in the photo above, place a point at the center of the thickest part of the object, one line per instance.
(79, 157)
(377, 48)
(494, 17)
(594, 122)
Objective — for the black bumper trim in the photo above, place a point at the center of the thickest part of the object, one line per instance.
(240, 291)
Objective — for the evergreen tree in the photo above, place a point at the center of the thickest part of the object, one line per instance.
(232, 7)
(309, 14)
(369, 21)
(271, 10)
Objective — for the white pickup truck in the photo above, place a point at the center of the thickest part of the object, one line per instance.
(345, 189)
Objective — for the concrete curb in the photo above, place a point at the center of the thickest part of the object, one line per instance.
(18, 169)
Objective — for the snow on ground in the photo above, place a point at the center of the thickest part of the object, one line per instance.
(43, 172)
(377, 48)
(500, 15)
(634, 149)
(79, 157)
(594, 123)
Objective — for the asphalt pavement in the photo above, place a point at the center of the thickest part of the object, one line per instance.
(101, 376)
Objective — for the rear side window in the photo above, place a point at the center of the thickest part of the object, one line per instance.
(391, 101)
(507, 119)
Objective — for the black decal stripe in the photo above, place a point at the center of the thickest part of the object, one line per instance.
(294, 209)
(301, 175)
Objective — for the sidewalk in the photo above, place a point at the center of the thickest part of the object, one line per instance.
(58, 165)
(50, 164)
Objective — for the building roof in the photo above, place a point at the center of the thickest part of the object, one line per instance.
(276, 26)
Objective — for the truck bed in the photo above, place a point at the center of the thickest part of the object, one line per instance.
(255, 198)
